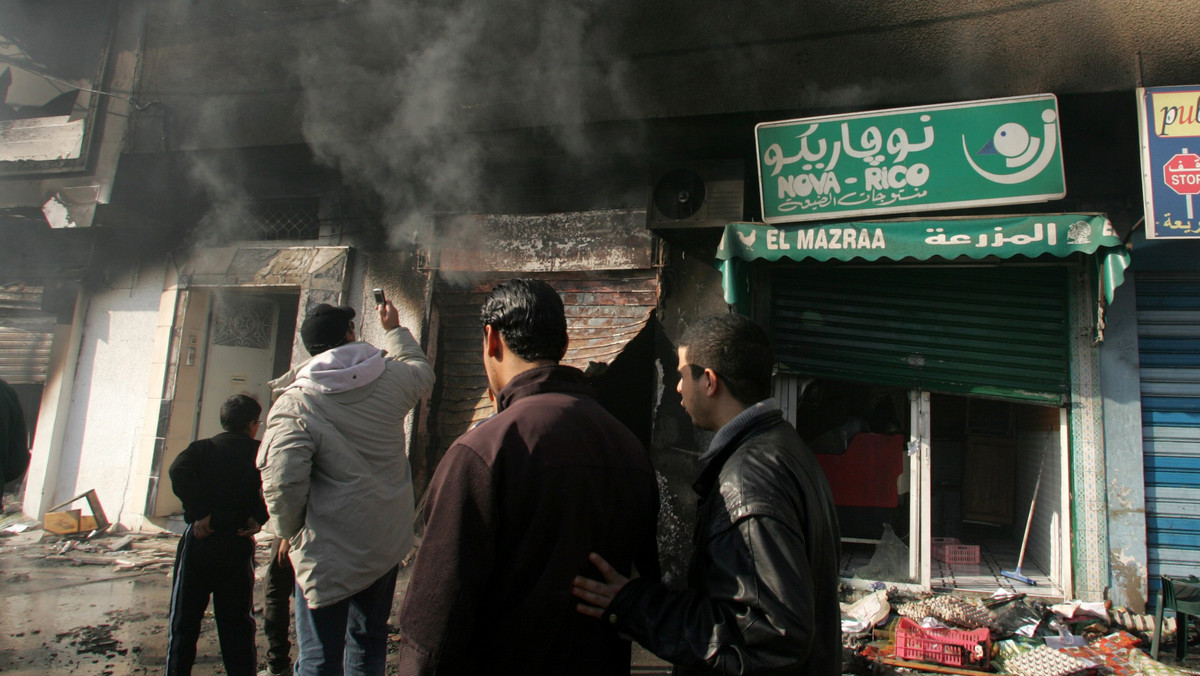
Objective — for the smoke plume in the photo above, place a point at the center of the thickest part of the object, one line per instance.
(400, 96)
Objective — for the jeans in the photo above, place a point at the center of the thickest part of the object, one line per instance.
(348, 637)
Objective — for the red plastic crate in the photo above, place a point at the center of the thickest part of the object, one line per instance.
(949, 550)
(963, 554)
(952, 647)
(939, 546)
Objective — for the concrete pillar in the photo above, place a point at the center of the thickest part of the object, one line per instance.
(54, 411)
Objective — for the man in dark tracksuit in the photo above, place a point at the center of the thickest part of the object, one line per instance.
(218, 482)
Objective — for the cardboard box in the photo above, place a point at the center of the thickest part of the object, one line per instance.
(70, 521)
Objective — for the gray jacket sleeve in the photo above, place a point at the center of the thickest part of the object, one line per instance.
(415, 370)
(285, 461)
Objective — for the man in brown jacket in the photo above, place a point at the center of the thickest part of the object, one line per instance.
(516, 505)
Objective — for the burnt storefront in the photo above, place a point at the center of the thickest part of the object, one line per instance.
(942, 391)
(944, 368)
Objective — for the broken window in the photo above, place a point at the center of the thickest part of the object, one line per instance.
(52, 59)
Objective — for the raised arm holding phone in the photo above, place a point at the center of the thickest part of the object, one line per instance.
(337, 481)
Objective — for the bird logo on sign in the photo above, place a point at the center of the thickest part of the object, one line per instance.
(1020, 149)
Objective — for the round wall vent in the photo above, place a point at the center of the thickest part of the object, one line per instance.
(679, 194)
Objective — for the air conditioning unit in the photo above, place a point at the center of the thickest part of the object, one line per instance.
(697, 195)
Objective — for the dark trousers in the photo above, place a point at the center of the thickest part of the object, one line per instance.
(221, 566)
(277, 613)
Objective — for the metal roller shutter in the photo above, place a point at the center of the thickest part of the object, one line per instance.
(994, 332)
(1169, 345)
(26, 334)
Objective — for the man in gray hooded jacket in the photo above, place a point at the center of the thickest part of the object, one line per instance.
(337, 483)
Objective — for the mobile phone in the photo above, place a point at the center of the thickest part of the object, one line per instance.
(379, 299)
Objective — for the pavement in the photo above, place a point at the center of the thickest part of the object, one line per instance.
(98, 606)
(65, 611)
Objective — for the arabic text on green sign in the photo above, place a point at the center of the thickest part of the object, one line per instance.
(1000, 151)
(949, 238)
(922, 239)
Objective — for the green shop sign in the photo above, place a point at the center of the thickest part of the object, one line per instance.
(1058, 235)
(998, 151)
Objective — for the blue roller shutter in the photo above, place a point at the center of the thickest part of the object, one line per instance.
(1169, 346)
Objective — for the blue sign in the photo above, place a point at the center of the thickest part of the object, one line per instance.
(1169, 127)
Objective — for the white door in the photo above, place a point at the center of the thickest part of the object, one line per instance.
(240, 356)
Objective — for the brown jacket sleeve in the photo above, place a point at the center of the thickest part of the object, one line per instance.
(453, 564)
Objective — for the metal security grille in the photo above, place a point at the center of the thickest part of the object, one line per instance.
(287, 219)
(994, 332)
(1169, 354)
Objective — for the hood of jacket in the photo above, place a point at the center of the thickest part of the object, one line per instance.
(340, 369)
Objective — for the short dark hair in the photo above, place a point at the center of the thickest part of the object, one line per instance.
(530, 317)
(737, 349)
(238, 412)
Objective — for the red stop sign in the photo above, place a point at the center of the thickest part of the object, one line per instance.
(1182, 173)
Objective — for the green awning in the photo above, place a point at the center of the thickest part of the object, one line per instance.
(924, 239)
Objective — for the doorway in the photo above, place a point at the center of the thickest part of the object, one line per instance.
(989, 459)
(232, 341)
(249, 344)
(934, 490)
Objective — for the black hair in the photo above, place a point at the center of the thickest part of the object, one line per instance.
(238, 412)
(529, 315)
(737, 349)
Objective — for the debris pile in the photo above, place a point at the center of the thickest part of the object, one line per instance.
(1006, 633)
(142, 552)
(122, 552)
(951, 610)
(96, 640)
(92, 602)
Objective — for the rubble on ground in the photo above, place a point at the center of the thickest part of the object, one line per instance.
(1021, 635)
(95, 639)
(81, 630)
(1007, 633)
(122, 552)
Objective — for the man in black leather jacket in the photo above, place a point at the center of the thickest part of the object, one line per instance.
(762, 595)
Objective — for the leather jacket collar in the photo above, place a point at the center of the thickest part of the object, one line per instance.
(757, 425)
